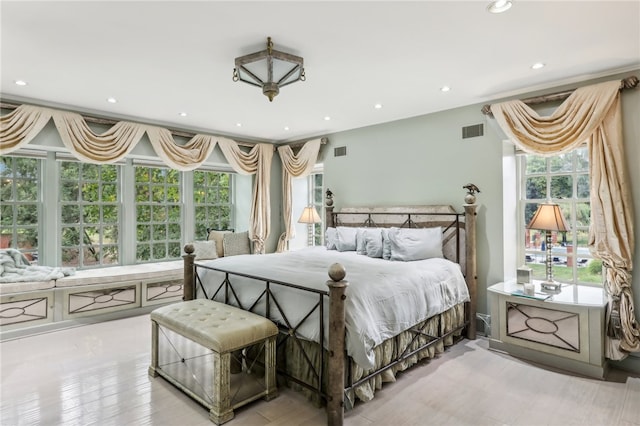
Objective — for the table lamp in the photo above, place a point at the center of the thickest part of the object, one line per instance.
(549, 218)
(309, 216)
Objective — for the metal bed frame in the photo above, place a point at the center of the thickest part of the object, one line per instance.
(339, 377)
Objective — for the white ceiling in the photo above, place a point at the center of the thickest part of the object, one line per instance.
(160, 58)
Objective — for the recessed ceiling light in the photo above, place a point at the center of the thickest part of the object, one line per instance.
(112, 100)
(182, 114)
(537, 66)
(378, 106)
(445, 88)
(20, 83)
(499, 6)
(286, 128)
(238, 124)
(327, 118)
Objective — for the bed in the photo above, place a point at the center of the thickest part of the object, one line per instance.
(341, 338)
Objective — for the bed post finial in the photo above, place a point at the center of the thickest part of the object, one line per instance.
(471, 188)
(335, 387)
(328, 209)
(188, 285)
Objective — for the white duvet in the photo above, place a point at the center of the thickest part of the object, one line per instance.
(384, 297)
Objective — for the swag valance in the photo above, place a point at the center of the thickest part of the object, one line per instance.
(592, 114)
(22, 125)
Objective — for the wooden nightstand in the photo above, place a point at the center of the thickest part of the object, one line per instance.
(565, 331)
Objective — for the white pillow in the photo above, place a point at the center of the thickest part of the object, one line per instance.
(386, 244)
(373, 242)
(415, 243)
(331, 238)
(360, 242)
(205, 250)
(346, 238)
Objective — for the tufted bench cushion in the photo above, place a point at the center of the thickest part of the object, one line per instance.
(214, 325)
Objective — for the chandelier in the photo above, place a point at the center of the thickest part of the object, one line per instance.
(269, 69)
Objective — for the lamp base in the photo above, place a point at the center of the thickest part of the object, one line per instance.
(551, 286)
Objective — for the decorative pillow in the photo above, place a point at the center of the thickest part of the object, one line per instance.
(361, 247)
(386, 244)
(218, 236)
(236, 243)
(331, 238)
(205, 250)
(415, 243)
(346, 238)
(373, 242)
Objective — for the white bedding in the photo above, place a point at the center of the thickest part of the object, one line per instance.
(384, 297)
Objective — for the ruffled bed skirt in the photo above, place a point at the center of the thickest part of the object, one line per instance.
(291, 357)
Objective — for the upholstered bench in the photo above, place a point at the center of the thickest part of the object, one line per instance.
(193, 344)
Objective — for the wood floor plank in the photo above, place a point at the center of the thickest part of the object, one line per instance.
(97, 375)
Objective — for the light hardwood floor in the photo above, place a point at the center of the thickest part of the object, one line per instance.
(97, 375)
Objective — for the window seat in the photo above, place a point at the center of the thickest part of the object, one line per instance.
(92, 294)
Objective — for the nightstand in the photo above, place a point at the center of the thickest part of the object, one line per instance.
(565, 331)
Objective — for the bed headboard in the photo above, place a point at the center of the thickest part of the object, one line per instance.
(430, 216)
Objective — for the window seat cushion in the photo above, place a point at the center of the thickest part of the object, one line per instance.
(123, 273)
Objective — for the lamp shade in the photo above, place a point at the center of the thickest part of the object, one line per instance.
(309, 215)
(548, 217)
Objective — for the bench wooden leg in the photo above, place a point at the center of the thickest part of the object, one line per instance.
(220, 406)
(154, 349)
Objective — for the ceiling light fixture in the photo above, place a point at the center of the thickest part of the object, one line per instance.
(269, 69)
(537, 66)
(378, 106)
(182, 114)
(499, 6)
(20, 83)
(112, 100)
(327, 118)
(445, 88)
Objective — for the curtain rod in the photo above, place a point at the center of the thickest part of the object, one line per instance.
(181, 133)
(625, 83)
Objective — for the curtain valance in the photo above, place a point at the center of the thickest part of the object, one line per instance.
(592, 113)
(294, 166)
(21, 125)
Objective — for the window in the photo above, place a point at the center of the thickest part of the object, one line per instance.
(212, 201)
(158, 201)
(316, 198)
(19, 202)
(563, 179)
(89, 214)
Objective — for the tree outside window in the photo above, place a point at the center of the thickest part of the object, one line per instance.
(212, 201)
(89, 214)
(19, 204)
(158, 203)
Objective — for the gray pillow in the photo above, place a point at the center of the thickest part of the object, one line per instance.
(204, 250)
(415, 243)
(346, 238)
(236, 243)
(386, 244)
(331, 238)
(360, 242)
(373, 242)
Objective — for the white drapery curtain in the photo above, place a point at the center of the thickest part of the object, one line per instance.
(256, 161)
(592, 113)
(21, 125)
(299, 165)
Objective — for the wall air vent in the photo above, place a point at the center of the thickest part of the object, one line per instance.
(340, 151)
(472, 131)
